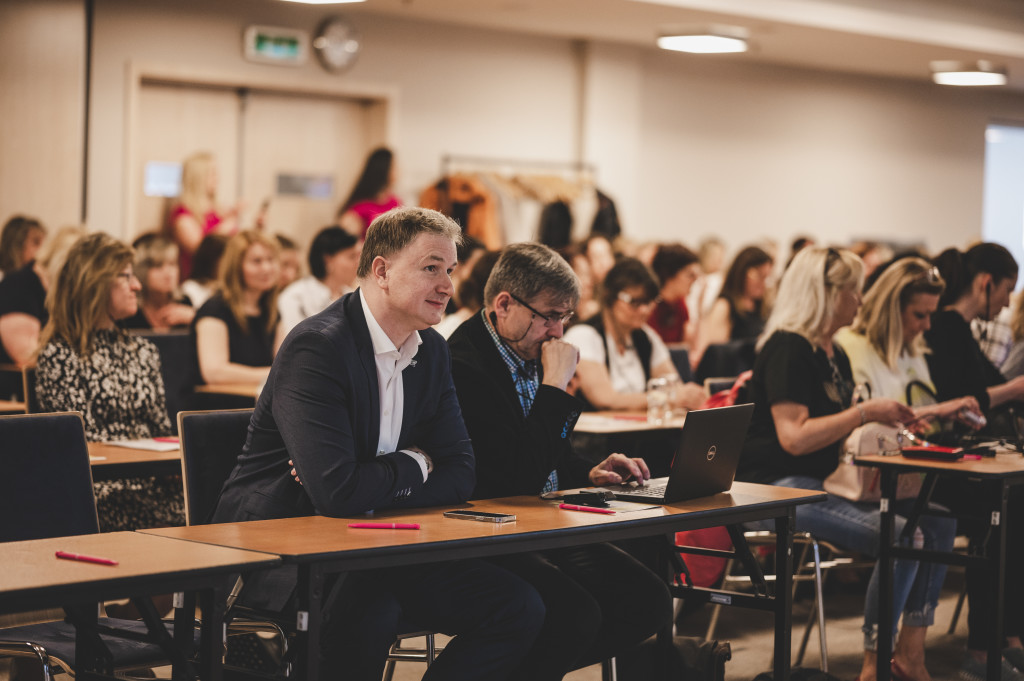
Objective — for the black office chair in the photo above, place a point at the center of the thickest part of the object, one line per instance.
(725, 359)
(28, 378)
(46, 491)
(175, 348)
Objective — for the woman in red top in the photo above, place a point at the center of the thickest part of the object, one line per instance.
(196, 213)
(372, 194)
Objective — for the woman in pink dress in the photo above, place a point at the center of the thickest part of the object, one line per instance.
(196, 214)
(371, 195)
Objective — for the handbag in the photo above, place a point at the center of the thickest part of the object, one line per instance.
(863, 483)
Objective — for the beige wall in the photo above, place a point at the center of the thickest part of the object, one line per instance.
(42, 95)
(687, 146)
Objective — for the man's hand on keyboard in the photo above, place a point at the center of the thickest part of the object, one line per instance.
(619, 468)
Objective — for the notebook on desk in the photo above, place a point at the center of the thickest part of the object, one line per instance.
(710, 443)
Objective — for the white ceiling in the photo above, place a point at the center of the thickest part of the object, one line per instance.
(894, 38)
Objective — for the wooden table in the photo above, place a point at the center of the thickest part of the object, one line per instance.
(321, 546)
(1001, 476)
(12, 407)
(111, 461)
(237, 389)
(613, 422)
(32, 578)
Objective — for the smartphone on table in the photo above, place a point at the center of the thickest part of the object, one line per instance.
(483, 516)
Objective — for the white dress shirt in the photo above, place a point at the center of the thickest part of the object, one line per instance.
(391, 361)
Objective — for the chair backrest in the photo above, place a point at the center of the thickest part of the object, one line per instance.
(175, 351)
(681, 360)
(28, 382)
(210, 444)
(726, 359)
(46, 486)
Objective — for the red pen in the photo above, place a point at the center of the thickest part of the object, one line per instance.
(85, 559)
(588, 509)
(166, 438)
(385, 526)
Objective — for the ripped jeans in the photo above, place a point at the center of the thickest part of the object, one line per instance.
(855, 526)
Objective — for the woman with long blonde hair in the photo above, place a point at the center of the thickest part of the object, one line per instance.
(87, 364)
(237, 331)
(196, 213)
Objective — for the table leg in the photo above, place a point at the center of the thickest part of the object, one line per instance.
(309, 621)
(212, 637)
(887, 531)
(783, 592)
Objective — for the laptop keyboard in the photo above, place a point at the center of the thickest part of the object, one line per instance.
(647, 491)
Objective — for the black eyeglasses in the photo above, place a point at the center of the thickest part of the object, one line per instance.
(637, 303)
(551, 318)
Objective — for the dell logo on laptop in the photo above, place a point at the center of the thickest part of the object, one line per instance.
(712, 452)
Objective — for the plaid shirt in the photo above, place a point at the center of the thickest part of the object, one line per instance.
(526, 376)
(994, 337)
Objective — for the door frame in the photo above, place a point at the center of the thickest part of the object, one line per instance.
(379, 99)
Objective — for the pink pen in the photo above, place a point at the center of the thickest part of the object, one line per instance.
(588, 509)
(85, 559)
(385, 526)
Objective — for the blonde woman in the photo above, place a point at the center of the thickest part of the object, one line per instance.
(161, 307)
(802, 390)
(238, 330)
(196, 213)
(87, 364)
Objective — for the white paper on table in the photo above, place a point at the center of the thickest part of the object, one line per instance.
(148, 444)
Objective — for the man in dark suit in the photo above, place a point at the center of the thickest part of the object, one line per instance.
(363, 404)
(511, 370)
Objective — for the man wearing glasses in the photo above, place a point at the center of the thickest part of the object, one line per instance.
(511, 368)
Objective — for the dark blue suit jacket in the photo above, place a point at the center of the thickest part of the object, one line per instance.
(321, 408)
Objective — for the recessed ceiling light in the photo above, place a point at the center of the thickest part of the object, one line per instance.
(968, 73)
(706, 40)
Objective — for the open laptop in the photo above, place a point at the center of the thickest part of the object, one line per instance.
(705, 463)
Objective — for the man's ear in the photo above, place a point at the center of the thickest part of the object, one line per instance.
(379, 271)
(502, 302)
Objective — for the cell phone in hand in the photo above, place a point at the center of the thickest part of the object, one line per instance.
(482, 516)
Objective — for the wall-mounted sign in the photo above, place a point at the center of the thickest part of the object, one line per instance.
(275, 45)
(309, 186)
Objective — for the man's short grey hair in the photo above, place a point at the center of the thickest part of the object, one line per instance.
(527, 270)
(392, 231)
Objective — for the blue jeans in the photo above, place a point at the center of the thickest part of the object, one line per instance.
(855, 527)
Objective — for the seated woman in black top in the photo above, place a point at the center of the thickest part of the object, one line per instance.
(161, 308)
(740, 310)
(978, 286)
(20, 240)
(802, 392)
(236, 330)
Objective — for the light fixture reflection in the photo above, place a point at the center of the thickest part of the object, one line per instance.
(713, 39)
(968, 74)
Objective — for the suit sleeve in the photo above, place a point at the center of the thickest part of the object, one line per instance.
(317, 399)
(514, 455)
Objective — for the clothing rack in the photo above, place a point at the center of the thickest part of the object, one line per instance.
(452, 162)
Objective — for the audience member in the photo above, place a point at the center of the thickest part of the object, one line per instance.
(740, 310)
(511, 369)
(333, 403)
(600, 256)
(161, 307)
(333, 259)
(677, 269)
(87, 364)
(237, 331)
(978, 285)
(196, 213)
(618, 351)
(372, 193)
(19, 241)
(469, 294)
(872, 254)
(290, 261)
(705, 290)
(588, 305)
(802, 390)
(798, 244)
(205, 263)
(887, 352)
(23, 311)
(1014, 364)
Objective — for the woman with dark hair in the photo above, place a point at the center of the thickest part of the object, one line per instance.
(978, 286)
(470, 293)
(740, 310)
(372, 194)
(19, 241)
(618, 351)
(677, 268)
(90, 365)
(205, 263)
(333, 259)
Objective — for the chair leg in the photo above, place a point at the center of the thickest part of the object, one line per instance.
(608, 671)
(430, 649)
(959, 607)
